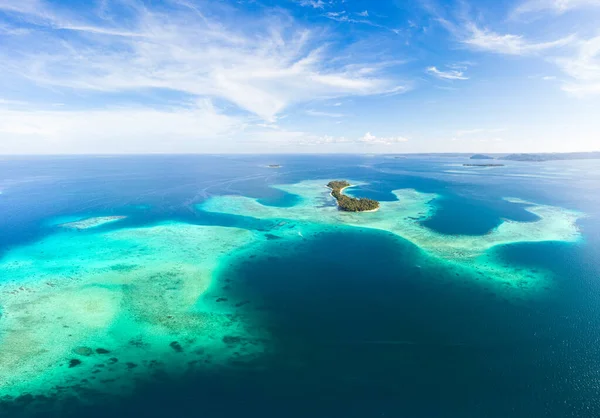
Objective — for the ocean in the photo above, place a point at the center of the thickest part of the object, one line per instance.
(217, 286)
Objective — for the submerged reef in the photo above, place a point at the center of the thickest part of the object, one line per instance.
(100, 311)
(404, 217)
(83, 311)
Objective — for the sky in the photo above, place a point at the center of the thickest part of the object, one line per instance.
(299, 76)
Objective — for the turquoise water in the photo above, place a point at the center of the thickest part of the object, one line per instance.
(223, 288)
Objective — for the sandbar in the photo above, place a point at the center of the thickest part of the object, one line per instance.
(94, 222)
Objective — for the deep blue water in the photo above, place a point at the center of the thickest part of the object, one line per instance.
(359, 331)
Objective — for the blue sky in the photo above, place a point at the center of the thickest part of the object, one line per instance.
(128, 76)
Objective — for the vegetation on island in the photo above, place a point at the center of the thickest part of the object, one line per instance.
(481, 157)
(350, 204)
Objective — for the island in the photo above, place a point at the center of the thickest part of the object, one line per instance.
(274, 166)
(481, 157)
(350, 204)
(552, 156)
(483, 165)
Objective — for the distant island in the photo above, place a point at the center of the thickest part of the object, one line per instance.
(483, 165)
(540, 156)
(274, 166)
(524, 157)
(552, 157)
(350, 204)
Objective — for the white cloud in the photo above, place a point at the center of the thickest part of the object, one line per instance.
(10, 102)
(477, 131)
(446, 75)
(262, 67)
(318, 113)
(345, 17)
(556, 6)
(487, 40)
(369, 138)
(315, 4)
(328, 139)
(342, 142)
(478, 135)
(117, 129)
(583, 68)
(12, 31)
(465, 132)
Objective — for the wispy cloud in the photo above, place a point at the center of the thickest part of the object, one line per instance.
(343, 16)
(315, 4)
(556, 6)
(578, 58)
(325, 139)
(317, 113)
(262, 68)
(369, 138)
(583, 68)
(478, 131)
(12, 31)
(478, 135)
(475, 36)
(122, 129)
(446, 75)
(10, 102)
(487, 40)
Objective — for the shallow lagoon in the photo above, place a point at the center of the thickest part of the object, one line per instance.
(273, 298)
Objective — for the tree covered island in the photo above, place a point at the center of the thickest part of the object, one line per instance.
(350, 204)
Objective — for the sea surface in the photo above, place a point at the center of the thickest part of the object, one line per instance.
(329, 320)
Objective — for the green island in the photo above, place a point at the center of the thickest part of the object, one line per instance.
(481, 157)
(350, 204)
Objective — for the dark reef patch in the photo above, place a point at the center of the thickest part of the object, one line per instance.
(230, 340)
(74, 363)
(272, 237)
(176, 347)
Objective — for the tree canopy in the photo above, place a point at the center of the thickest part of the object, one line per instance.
(350, 204)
